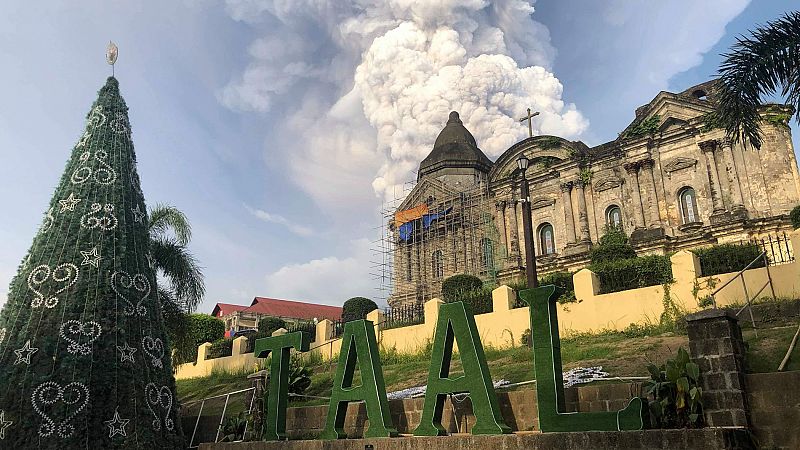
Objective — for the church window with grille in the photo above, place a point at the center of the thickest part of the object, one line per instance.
(437, 264)
(688, 202)
(614, 217)
(488, 253)
(547, 242)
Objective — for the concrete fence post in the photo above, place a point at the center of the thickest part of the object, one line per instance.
(432, 314)
(587, 285)
(503, 299)
(794, 236)
(324, 331)
(685, 271)
(716, 345)
(377, 317)
(239, 346)
(280, 332)
(202, 352)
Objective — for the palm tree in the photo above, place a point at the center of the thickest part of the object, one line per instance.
(170, 234)
(758, 66)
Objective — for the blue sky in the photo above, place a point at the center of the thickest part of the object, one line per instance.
(279, 127)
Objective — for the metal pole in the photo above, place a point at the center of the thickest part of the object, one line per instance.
(530, 256)
(222, 418)
(200, 413)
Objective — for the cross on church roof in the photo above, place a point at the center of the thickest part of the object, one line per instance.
(529, 118)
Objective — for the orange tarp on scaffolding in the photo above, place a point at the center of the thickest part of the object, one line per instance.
(408, 215)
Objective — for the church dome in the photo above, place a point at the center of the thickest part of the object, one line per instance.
(454, 148)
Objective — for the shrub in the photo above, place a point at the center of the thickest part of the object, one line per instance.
(613, 246)
(268, 325)
(727, 258)
(479, 300)
(563, 281)
(454, 286)
(220, 348)
(204, 328)
(525, 339)
(357, 308)
(795, 216)
(624, 274)
(676, 391)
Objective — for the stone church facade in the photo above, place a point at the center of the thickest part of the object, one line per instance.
(671, 180)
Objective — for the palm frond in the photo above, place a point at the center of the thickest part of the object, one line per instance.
(166, 218)
(181, 270)
(758, 66)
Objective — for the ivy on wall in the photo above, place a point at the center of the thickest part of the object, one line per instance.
(645, 127)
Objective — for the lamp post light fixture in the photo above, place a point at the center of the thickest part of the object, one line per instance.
(527, 225)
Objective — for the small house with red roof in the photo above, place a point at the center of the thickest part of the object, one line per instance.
(239, 317)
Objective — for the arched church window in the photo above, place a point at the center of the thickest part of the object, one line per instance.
(614, 217)
(547, 242)
(488, 253)
(688, 201)
(437, 263)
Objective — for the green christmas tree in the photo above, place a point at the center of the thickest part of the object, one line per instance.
(84, 361)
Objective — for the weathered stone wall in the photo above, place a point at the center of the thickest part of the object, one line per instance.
(774, 400)
(705, 439)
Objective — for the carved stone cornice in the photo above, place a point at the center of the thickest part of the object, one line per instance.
(566, 187)
(646, 163)
(678, 163)
(631, 167)
(708, 146)
(604, 184)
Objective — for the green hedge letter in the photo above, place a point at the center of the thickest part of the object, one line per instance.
(280, 347)
(455, 322)
(358, 343)
(549, 376)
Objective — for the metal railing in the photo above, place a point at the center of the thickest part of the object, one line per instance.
(405, 315)
(222, 417)
(748, 299)
(778, 248)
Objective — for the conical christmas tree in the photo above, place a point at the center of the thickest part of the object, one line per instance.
(84, 361)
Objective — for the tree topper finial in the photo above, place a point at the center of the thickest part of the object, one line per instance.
(111, 55)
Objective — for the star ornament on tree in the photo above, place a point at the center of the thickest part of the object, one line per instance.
(24, 354)
(127, 352)
(92, 257)
(4, 424)
(69, 203)
(138, 214)
(116, 426)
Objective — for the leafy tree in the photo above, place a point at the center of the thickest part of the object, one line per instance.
(758, 66)
(269, 325)
(613, 246)
(456, 285)
(357, 308)
(795, 217)
(83, 361)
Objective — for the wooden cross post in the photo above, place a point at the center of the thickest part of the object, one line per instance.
(529, 118)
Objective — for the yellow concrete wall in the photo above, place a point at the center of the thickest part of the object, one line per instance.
(593, 312)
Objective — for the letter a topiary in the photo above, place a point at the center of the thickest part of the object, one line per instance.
(359, 344)
(457, 323)
(549, 377)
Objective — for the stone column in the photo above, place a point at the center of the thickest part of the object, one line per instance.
(638, 216)
(501, 214)
(514, 229)
(569, 219)
(583, 215)
(733, 175)
(708, 148)
(716, 345)
(650, 179)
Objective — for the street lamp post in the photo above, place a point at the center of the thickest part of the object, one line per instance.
(527, 225)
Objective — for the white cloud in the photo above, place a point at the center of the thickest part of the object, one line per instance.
(300, 230)
(368, 84)
(330, 280)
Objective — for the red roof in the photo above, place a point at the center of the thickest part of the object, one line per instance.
(296, 310)
(223, 309)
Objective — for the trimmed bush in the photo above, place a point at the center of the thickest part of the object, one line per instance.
(613, 246)
(727, 258)
(268, 325)
(454, 286)
(624, 274)
(795, 216)
(205, 328)
(357, 308)
(220, 348)
(479, 300)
